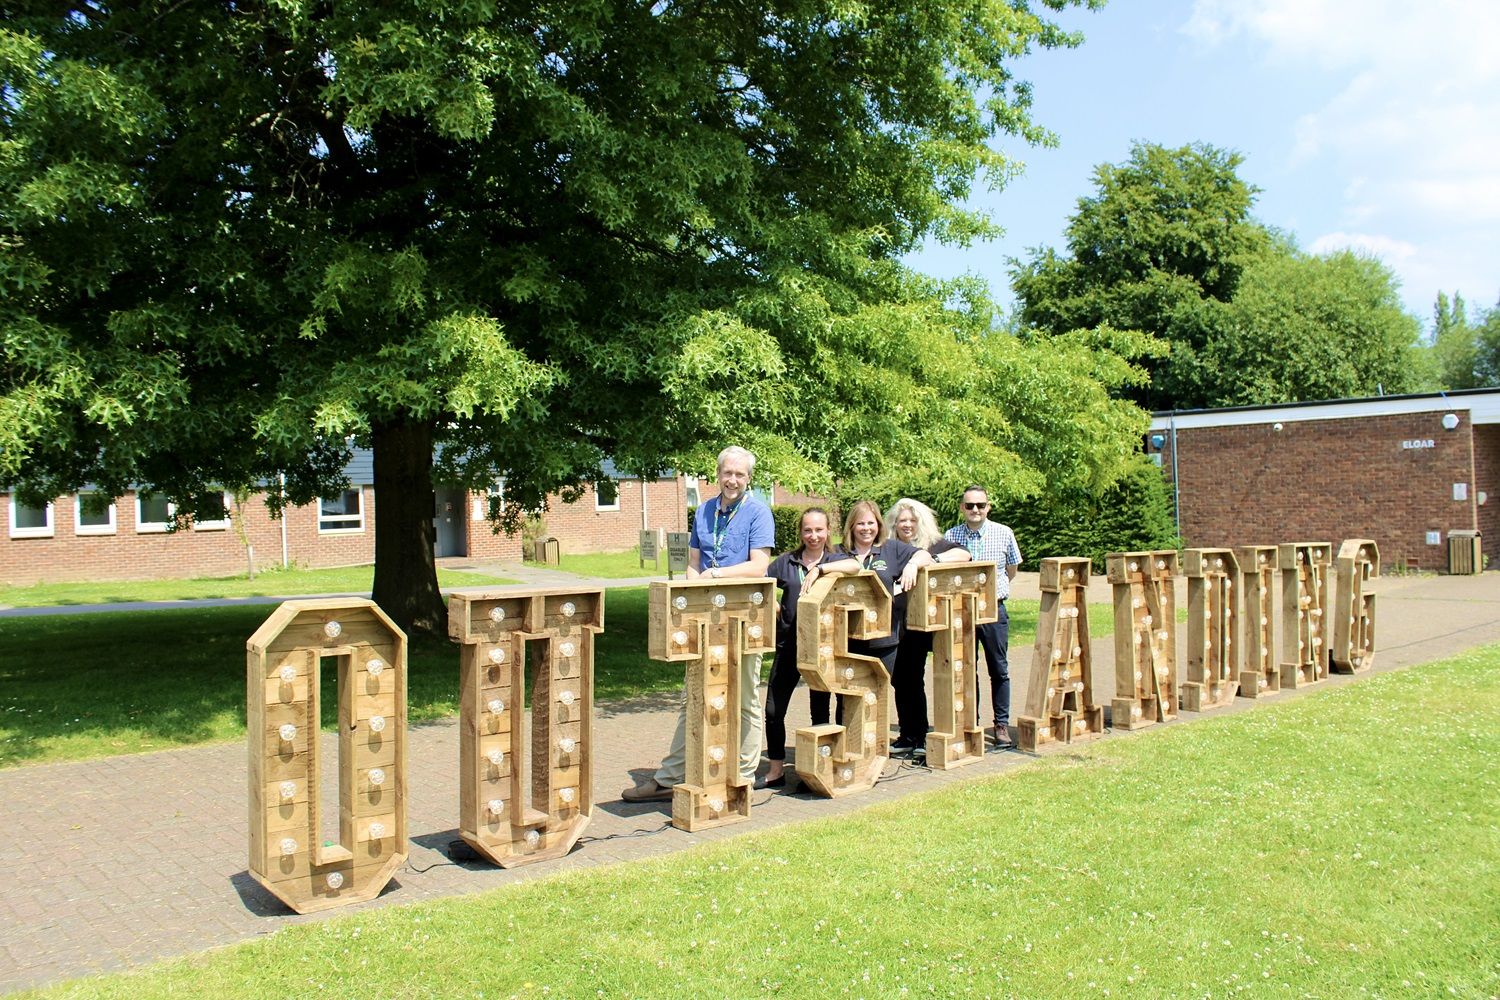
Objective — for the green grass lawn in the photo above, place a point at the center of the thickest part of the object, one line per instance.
(272, 583)
(1299, 849)
(177, 677)
(612, 565)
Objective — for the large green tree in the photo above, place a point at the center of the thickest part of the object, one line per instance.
(236, 237)
(1167, 245)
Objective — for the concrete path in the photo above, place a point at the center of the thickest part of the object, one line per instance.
(115, 863)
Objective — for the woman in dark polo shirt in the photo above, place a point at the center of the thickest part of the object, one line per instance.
(913, 522)
(792, 571)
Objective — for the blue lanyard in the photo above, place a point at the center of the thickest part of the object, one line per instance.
(721, 527)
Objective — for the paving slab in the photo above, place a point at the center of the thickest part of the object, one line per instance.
(116, 863)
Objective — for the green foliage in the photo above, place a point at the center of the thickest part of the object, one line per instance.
(1132, 515)
(1309, 327)
(1466, 355)
(233, 238)
(1167, 246)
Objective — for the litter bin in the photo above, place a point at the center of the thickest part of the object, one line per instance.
(1464, 555)
(546, 550)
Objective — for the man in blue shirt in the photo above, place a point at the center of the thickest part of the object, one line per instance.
(732, 537)
(991, 541)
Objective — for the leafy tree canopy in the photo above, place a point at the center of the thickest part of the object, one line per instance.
(233, 238)
(1168, 246)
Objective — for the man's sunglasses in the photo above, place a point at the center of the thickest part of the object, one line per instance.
(975, 506)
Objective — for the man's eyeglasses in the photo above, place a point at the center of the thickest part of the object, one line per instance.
(976, 506)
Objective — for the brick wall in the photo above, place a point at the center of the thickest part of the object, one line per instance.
(129, 554)
(1327, 480)
(582, 527)
(1487, 480)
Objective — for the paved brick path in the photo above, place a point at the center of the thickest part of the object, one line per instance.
(115, 863)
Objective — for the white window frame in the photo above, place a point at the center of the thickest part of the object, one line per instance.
(79, 528)
(354, 524)
(221, 524)
(494, 497)
(692, 491)
(144, 527)
(599, 505)
(45, 531)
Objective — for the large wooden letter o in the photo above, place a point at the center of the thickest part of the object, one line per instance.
(287, 853)
(496, 630)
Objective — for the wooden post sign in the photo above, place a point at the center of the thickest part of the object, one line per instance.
(1212, 678)
(1354, 621)
(1260, 672)
(951, 601)
(496, 631)
(283, 665)
(1304, 596)
(709, 625)
(1060, 704)
(1145, 637)
(840, 759)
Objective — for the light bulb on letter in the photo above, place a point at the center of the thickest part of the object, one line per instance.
(332, 629)
(375, 667)
(377, 723)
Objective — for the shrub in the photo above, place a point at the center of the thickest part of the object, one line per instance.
(788, 517)
(1135, 514)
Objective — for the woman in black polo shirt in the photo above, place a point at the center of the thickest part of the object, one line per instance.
(913, 522)
(792, 571)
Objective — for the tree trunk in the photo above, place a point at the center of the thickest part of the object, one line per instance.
(406, 586)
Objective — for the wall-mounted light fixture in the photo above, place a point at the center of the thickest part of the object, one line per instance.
(1157, 440)
(1276, 427)
(1450, 421)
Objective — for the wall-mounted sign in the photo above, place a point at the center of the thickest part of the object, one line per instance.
(1412, 443)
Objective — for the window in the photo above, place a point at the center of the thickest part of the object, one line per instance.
(489, 506)
(153, 514)
(693, 496)
(342, 514)
(213, 512)
(607, 495)
(88, 519)
(27, 521)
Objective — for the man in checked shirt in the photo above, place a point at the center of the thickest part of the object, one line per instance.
(991, 541)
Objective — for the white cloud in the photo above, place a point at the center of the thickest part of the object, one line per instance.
(1386, 248)
(1414, 126)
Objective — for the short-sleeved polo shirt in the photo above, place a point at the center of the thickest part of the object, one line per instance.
(749, 526)
(993, 542)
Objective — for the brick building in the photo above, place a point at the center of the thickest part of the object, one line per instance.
(1403, 470)
(133, 539)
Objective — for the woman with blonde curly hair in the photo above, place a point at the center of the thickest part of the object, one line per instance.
(913, 522)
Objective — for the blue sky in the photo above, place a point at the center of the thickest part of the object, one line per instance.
(1372, 124)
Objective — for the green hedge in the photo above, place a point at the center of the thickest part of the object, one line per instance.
(1133, 515)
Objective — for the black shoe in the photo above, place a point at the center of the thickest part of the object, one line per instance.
(761, 781)
(903, 748)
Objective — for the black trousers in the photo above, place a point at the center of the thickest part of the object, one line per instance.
(993, 640)
(909, 682)
(784, 680)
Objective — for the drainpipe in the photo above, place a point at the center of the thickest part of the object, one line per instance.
(645, 522)
(1176, 497)
(286, 560)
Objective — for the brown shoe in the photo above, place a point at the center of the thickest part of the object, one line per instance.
(647, 791)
